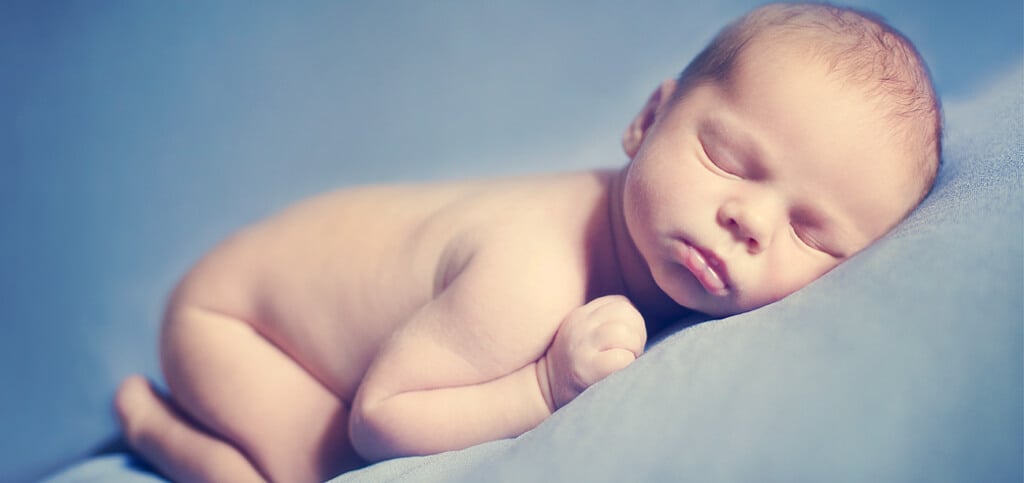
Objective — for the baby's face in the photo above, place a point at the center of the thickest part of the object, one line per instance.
(742, 192)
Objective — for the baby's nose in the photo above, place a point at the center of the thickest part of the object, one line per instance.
(749, 224)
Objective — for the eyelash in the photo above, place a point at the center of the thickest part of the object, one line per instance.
(809, 241)
(717, 165)
(803, 238)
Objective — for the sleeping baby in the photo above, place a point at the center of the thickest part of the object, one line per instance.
(410, 319)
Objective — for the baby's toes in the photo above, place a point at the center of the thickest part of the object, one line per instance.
(133, 401)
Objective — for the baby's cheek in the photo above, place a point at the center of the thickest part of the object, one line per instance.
(784, 279)
(772, 293)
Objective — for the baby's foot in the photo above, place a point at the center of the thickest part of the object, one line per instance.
(136, 404)
(156, 431)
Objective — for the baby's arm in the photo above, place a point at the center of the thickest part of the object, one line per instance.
(464, 369)
(473, 366)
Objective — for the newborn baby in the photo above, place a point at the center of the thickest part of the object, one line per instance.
(411, 319)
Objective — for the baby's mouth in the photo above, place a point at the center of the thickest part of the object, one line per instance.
(707, 268)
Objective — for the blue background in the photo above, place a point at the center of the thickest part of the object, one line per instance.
(135, 135)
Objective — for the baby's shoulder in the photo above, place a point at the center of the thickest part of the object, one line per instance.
(532, 230)
(525, 216)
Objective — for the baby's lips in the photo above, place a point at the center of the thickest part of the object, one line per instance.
(697, 263)
(709, 276)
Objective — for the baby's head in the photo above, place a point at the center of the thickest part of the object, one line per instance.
(800, 135)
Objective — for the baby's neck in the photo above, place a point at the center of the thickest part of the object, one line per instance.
(634, 278)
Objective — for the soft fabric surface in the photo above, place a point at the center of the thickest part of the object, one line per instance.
(136, 135)
(903, 364)
(120, 467)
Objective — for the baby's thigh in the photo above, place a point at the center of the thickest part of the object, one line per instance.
(243, 389)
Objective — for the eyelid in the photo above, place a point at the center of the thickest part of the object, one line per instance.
(717, 166)
(810, 242)
(802, 236)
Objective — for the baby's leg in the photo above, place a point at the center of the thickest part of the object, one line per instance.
(243, 391)
(179, 450)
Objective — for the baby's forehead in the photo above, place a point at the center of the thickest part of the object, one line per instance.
(766, 54)
(879, 64)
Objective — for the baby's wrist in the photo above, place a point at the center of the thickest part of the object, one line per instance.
(544, 383)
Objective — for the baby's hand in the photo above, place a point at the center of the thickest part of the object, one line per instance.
(595, 340)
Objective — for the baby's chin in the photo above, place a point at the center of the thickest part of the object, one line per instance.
(720, 306)
(690, 295)
(685, 290)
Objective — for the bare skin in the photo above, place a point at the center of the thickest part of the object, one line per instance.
(401, 320)
(448, 309)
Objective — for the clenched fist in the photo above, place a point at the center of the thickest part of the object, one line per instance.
(594, 340)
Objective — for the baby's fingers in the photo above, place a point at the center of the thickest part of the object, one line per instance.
(620, 335)
(609, 361)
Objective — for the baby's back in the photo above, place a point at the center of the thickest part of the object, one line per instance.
(329, 279)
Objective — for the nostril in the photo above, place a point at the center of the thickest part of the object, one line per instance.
(753, 246)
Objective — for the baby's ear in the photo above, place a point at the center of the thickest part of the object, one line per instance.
(635, 132)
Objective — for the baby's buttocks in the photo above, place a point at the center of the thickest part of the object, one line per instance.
(329, 279)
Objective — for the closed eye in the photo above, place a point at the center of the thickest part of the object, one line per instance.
(721, 163)
(807, 238)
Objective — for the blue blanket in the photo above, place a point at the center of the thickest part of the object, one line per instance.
(903, 364)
